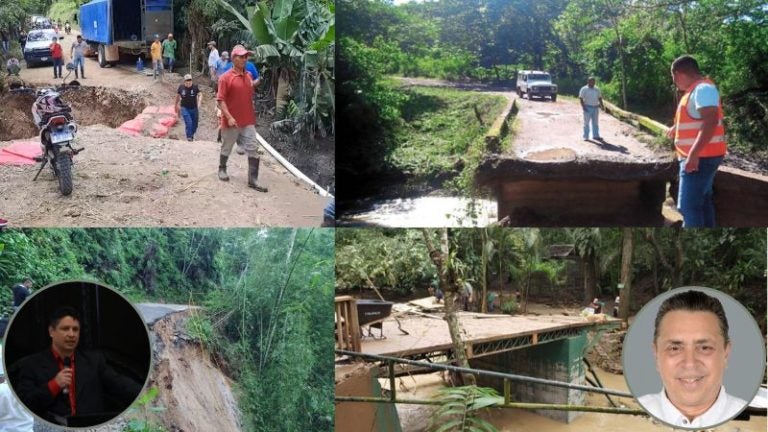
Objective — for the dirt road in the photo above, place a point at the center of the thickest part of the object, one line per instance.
(125, 181)
(140, 181)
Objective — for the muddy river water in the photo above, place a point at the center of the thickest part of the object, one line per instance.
(415, 418)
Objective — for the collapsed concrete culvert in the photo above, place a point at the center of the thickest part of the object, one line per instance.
(196, 394)
(90, 106)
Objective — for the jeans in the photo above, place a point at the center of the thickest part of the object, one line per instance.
(170, 64)
(158, 68)
(57, 63)
(694, 197)
(6, 47)
(79, 60)
(590, 114)
(190, 121)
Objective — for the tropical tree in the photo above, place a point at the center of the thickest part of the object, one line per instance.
(296, 39)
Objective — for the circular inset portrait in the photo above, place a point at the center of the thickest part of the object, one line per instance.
(694, 357)
(77, 354)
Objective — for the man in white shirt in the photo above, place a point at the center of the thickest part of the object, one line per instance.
(213, 58)
(691, 347)
(591, 99)
(13, 418)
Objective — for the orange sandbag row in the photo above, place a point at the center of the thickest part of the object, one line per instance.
(158, 128)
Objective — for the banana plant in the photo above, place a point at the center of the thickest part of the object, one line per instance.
(296, 39)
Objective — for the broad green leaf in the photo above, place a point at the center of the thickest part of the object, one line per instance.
(259, 26)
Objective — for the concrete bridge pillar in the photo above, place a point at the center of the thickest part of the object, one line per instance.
(559, 360)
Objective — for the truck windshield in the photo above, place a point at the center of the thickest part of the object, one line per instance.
(38, 36)
(539, 77)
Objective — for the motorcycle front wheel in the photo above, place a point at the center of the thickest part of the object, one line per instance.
(64, 174)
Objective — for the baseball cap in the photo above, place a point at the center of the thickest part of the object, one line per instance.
(240, 50)
(225, 54)
(212, 43)
(187, 77)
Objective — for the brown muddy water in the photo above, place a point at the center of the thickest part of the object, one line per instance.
(415, 418)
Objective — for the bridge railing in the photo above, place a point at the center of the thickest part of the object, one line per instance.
(506, 402)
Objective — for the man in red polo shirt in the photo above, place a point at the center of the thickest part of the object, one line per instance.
(238, 118)
(57, 54)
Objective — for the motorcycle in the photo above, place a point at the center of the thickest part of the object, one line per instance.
(57, 133)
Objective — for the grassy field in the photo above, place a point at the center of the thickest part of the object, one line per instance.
(442, 132)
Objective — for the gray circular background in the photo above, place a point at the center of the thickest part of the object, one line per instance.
(746, 364)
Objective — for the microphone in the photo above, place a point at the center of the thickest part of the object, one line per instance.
(65, 390)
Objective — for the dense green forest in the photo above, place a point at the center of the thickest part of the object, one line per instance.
(627, 45)
(396, 261)
(266, 294)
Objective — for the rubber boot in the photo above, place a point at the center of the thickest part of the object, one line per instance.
(253, 174)
(223, 168)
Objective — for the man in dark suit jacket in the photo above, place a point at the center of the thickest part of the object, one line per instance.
(63, 381)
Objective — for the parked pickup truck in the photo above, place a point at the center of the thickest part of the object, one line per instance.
(128, 26)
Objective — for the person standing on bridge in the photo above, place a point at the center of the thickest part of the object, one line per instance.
(169, 51)
(238, 120)
(78, 55)
(156, 51)
(700, 143)
(591, 98)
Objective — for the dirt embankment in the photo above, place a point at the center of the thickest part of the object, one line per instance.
(195, 393)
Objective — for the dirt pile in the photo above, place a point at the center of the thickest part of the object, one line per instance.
(90, 106)
(196, 395)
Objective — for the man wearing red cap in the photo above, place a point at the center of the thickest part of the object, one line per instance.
(238, 118)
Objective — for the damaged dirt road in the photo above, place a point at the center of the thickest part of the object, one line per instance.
(121, 180)
(194, 391)
(553, 132)
(125, 181)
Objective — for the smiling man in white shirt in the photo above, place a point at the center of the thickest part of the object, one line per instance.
(691, 347)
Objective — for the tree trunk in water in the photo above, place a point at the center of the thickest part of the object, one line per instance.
(447, 279)
(626, 272)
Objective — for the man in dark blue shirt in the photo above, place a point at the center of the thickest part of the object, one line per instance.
(21, 292)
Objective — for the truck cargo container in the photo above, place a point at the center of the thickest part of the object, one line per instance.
(112, 27)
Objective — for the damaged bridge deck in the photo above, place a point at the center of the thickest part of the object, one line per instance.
(484, 335)
(551, 176)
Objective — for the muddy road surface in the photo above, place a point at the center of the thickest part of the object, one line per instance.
(121, 180)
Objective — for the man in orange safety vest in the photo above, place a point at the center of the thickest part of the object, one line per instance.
(700, 144)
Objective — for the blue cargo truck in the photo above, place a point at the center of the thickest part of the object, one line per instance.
(128, 26)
